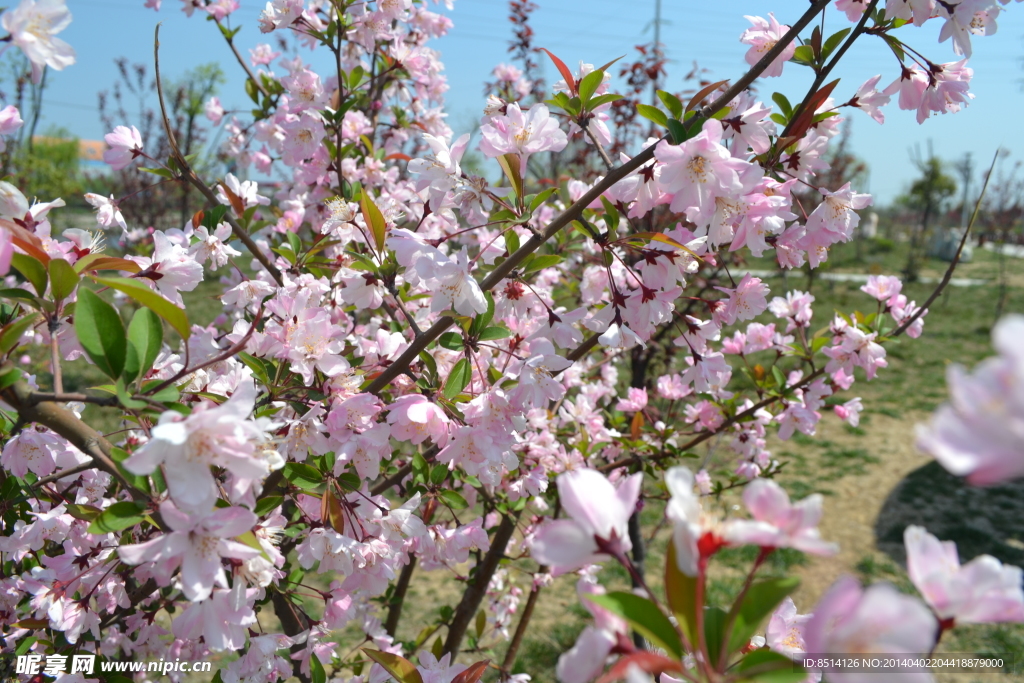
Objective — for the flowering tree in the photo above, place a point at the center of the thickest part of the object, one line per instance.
(411, 355)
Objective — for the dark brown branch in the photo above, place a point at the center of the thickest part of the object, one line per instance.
(476, 591)
(83, 437)
(524, 621)
(401, 588)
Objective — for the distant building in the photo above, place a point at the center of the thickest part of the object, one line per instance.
(90, 152)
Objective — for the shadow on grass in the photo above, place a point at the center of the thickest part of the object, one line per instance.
(980, 520)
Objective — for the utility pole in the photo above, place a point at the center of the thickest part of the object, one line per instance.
(657, 49)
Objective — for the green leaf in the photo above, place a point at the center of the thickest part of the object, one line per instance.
(350, 481)
(541, 262)
(759, 601)
(652, 114)
(589, 85)
(491, 333)
(677, 130)
(174, 316)
(803, 55)
(453, 499)
(833, 42)
(672, 103)
(101, 333)
(438, 474)
(601, 100)
(541, 197)
(10, 377)
(304, 476)
(451, 341)
(783, 102)
(714, 631)
(162, 172)
(780, 378)
(125, 397)
(32, 270)
(779, 119)
(681, 594)
(145, 335)
(765, 666)
(511, 241)
(137, 480)
(12, 332)
(213, 217)
(458, 379)
(117, 517)
(316, 670)
(643, 616)
(168, 394)
(401, 668)
(86, 513)
(63, 279)
(266, 504)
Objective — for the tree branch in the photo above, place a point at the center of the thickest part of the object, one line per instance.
(576, 210)
(475, 592)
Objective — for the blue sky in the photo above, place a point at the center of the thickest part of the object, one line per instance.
(594, 31)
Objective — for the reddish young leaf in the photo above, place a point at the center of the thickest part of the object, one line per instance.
(28, 242)
(648, 662)
(704, 92)
(398, 155)
(803, 122)
(236, 201)
(473, 673)
(564, 70)
(197, 218)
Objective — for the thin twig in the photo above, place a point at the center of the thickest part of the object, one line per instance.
(190, 176)
(248, 71)
(956, 259)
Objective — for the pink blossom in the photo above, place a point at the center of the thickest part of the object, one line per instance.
(796, 308)
(744, 302)
(522, 134)
(785, 633)
(672, 387)
(852, 620)
(10, 121)
(107, 212)
(853, 8)
(212, 435)
(762, 37)
(213, 246)
(196, 543)
(222, 620)
(849, 411)
(262, 55)
(779, 523)
(918, 11)
(171, 269)
(33, 25)
(415, 418)
(246, 190)
(967, 17)
(883, 287)
(870, 99)
(701, 170)
(598, 513)
(315, 343)
(635, 401)
(982, 591)
(978, 433)
(213, 110)
(125, 144)
(837, 215)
